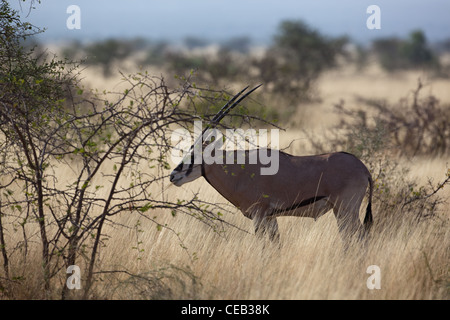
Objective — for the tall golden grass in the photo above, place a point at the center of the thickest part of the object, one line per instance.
(196, 262)
(186, 259)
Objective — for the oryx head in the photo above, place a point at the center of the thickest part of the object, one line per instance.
(190, 168)
(187, 170)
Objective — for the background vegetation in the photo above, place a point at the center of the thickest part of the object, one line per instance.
(84, 169)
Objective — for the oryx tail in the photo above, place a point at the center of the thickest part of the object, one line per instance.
(368, 219)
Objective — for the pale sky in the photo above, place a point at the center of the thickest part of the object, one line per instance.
(173, 20)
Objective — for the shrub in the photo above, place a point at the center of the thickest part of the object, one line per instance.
(378, 133)
(414, 126)
(412, 53)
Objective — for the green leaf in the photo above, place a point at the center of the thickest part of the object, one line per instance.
(146, 207)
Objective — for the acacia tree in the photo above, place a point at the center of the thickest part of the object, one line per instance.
(113, 152)
(72, 161)
(30, 91)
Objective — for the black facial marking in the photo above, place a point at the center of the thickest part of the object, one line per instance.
(179, 167)
(191, 165)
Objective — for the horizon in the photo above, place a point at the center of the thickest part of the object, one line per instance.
(176, 20)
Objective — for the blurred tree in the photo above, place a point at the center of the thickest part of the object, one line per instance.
(104, 53)
(297, 57)
(73, 50)
(388, 53)
(195, 42)
(155, 53)
(414, 52)
(239, 44)
(443, 46)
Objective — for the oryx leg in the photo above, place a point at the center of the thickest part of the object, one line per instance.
(347, 216)
(267, 226)
(347, 221)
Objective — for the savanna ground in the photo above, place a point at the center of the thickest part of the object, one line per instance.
(187, 259)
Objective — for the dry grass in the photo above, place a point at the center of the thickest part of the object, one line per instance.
(310, 264)
(188, 260)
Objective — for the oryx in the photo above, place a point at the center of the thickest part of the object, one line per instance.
(304, 186)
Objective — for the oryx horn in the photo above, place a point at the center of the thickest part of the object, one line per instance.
(229, 106)
(225, 110)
